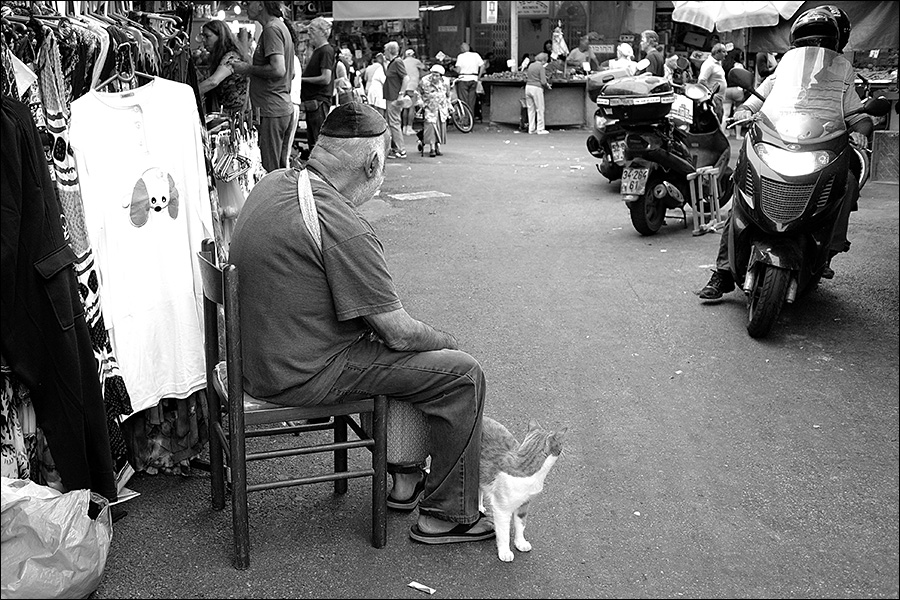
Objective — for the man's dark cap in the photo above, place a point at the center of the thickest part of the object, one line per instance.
(354, 120)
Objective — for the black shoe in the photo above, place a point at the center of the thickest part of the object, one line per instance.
(437, 150)
(431, 153)
(827, 271)
(720, 283)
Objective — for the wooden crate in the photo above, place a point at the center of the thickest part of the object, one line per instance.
(886, 157)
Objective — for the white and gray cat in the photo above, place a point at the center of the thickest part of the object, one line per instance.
(512, 474)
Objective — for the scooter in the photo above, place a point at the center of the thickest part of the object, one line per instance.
(607, 139)
(794, 175)
(662, 152)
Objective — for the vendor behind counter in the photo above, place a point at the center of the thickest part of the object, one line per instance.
(577, 58)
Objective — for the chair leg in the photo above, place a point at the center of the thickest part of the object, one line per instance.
(340, 456)
(216, 461)
(379, 465)
(239, 510)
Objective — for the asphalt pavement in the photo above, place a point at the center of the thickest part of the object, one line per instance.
(699, 463)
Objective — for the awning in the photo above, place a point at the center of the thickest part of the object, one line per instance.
(374, 11)
(874, 26)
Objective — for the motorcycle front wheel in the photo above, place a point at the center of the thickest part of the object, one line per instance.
(648, 212)
(766, 299)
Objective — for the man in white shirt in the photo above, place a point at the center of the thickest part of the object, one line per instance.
(470, 67)
(414, 68)
(712, 75)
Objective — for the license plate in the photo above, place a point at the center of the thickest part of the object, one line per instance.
(618, 150)
(634, 180)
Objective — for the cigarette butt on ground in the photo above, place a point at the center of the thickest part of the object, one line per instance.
(422, 588)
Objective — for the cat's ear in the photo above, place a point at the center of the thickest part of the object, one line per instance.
(533, 424)
(561, 434)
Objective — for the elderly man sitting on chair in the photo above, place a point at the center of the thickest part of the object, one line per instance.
(322, 317)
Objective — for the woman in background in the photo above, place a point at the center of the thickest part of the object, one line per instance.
(375, 78)
(436, 96)
(230, 89)
(734, 96)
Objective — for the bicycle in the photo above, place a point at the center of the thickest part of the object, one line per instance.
(460, 112)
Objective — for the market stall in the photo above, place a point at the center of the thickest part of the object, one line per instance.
(566, 103)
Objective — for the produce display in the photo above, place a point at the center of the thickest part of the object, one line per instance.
(506, 75)
(878, 74)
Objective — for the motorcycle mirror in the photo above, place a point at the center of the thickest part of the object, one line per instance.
(682, 63)
(743, 79)
(643, 64)
(877, 107)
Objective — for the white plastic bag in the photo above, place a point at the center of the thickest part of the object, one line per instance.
(49, 546)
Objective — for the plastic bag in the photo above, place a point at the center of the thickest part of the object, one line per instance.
(50, 547)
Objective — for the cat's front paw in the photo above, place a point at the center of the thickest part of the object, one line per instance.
(505, 555)
(523, 545)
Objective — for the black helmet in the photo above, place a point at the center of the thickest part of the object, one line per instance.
(816, 27)
(843, 22)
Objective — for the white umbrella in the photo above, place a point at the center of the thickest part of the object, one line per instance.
(728, 16)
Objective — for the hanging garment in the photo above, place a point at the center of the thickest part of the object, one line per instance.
(62, 166)
(143, 180)
(45, 339)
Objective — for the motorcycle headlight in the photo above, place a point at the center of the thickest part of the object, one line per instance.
(793, 163)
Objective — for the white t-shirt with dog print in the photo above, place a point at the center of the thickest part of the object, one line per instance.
(140, 162)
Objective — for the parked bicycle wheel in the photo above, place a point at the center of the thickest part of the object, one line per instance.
(462, 116)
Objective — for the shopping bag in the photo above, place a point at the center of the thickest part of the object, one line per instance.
(50, 546)
(407, 433)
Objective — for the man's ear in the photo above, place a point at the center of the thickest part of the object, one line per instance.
(373, 164)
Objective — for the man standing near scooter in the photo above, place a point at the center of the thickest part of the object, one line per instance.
(827, 27)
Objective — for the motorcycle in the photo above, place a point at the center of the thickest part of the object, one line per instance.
(607, 139)
(664, 145)
(795, 171)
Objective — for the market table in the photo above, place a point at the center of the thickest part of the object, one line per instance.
(565, 104)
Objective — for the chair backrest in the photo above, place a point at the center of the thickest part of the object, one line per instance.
(220, 288)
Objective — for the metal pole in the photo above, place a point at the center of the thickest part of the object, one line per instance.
(514, 33)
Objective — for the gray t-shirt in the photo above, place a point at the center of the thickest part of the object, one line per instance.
(273, 96)
(301, 308)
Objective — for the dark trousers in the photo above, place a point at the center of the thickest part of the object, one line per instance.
(275, 137)
(314, 120)
(466, 90)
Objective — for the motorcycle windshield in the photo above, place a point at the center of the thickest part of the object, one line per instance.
(806, 101)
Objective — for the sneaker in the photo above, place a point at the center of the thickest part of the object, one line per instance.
(543, 132)
(396, 154)
(720, 283)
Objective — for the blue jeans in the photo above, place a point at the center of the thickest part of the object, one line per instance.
(449, 387)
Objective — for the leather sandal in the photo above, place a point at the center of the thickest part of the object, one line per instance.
(413, 501)
(460, 533)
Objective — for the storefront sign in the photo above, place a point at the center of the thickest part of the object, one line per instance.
(375, 11)
(533, 9)
(603, 48)
(489, 12)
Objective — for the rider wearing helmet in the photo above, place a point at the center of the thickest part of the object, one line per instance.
(827, 27)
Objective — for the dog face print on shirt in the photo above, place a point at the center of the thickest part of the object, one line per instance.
(153, 192)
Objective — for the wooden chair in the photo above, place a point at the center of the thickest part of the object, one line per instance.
(251, 417)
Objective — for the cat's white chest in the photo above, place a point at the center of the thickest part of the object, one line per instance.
(508, 492)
